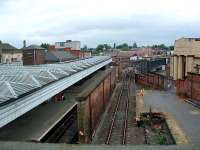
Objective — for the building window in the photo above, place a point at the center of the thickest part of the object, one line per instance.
(62, 44)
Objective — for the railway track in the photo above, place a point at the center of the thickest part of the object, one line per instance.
(60, 130)
(118, 126)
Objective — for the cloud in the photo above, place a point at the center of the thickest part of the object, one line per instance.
(94, 21)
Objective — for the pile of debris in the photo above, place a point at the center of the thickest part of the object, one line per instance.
(155, 129)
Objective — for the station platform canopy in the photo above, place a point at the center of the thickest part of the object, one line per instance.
(17, 80)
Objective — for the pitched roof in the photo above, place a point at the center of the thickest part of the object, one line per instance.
(6, 46)
(33, 47)
(59, 56)
(126, 53)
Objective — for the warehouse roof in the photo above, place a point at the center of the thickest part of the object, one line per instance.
(58, 56)
(15, 81)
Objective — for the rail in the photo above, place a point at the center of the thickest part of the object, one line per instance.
(120, 108)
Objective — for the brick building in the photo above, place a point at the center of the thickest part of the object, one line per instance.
(73, 45)
(124, 58)
(33, 55)
(78, 53)
(185, 67)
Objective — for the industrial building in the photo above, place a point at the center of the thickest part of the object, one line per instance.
(73, 45)
(186, 58)
(33, 55)
(185, 67)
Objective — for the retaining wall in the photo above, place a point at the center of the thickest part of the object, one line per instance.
(156, 81)
(92, 103)
(190, 87)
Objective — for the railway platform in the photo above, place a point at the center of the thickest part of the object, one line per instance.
(39, 146)
(33, 125)
(186, 115)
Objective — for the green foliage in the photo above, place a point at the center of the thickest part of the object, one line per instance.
(102, 47)
(45, 45)
(123, 47)
(161, 47)
(171, 47)
(162, 140)
(114, 46)
(85, 48)
(126, 47)
(135, 45)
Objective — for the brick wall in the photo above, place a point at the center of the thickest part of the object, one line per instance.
(30, 59)
(151, 80)
(190, 87)
(78, 53)
(92, 103)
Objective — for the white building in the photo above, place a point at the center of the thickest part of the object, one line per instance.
(9, 54)
(73, 45)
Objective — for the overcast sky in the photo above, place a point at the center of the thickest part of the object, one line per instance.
(98, 21)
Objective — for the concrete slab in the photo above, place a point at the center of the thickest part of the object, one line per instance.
(186, 115)
(39, 146)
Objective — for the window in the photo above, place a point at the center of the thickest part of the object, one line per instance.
(62, 44)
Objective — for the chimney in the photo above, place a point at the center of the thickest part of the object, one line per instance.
(24, 43)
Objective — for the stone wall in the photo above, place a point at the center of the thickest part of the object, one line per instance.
(187, 46)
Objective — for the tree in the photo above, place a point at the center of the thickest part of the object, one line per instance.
(114, 45)
(85, 47)
(161, 47)
(99, 48)
(123, 47)
(171, 47)
(102, 47)
(135, 45)
(45, 45)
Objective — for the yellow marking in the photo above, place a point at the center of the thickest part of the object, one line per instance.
(176, 131)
